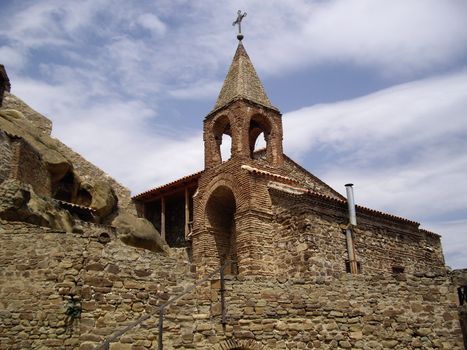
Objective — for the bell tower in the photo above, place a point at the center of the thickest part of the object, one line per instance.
(232, 207)
(243, 112)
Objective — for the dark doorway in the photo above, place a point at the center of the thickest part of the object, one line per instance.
(220, 212)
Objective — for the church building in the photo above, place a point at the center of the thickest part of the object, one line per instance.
(252, 207)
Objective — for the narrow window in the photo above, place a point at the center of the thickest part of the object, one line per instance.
(462, 292)
(398, 269)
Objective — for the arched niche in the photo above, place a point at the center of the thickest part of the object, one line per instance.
(221, 130)
(240, 344)
(259, 126)
(220, 217)
(65, 188)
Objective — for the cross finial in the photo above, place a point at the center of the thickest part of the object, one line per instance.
(238, 21)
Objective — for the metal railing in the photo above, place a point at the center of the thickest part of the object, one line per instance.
(105, 345)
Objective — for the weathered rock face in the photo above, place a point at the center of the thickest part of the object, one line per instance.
(21, 203)
(104, 201)
(41, 123)
(44, 168)
(19, 120)
(15, 122)
(139, 232)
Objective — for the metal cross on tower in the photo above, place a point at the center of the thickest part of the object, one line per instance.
(238, 21)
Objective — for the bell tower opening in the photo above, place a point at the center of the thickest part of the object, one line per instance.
(226, 147)
(259, 133)
(220, 213)
(218, 141)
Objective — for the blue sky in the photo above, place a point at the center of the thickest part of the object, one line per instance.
(372, 92)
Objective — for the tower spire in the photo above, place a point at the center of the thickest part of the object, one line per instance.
(242, 81)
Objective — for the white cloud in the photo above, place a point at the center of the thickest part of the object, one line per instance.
(153, 23)
(124, 138)
(399, 37)
(454, 234)
(12, 58)
(201, 90)
(393, 118)
(403, 139)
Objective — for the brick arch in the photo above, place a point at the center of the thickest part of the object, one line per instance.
(258, 122)
(223, 179)
(240, 344)
(220, 206)
(221, 122)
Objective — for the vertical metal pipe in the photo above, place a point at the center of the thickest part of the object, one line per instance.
(351, 204)
(348, 231)
(348, 236)
(160, 345)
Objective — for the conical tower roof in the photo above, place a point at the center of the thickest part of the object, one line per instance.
(242, 82)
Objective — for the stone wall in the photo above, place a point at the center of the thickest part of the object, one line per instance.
(358, 312)
(45, 274)
(459, 279)
(36, 264)
(6, 156)
(111, 283)
(17, 158)
(26, 158)
(310, 241)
